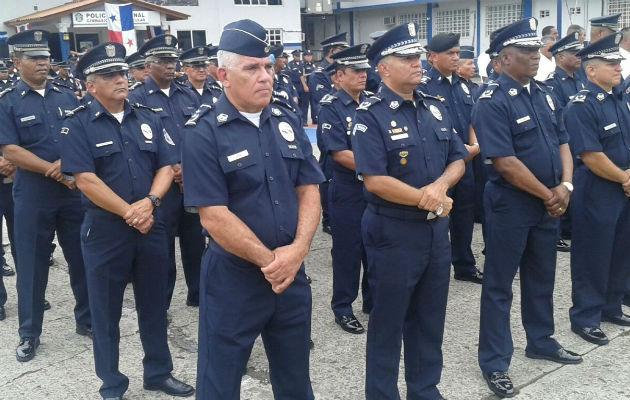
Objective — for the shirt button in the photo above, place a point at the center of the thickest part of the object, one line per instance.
(424, 139)
(271, 178)
(126, 143)
(276, 202)
(239, 164)
(281, 227)
(266, 154)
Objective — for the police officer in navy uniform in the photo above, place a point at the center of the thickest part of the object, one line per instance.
(466, 68)
(64, 78)
(121, 157)
(408, 157)
(373, 78)
(5, 82)
(599, 123)
(31, 113)
(295, 68)
(249, 169)
(178, 103)
(521, 131)
(282, 86)
(319, 83)
(345, 197)
(211, 81)
(138, 70)
(600, 28)
(442, 81)
(196, 62)
(14, 75)
(309, 68)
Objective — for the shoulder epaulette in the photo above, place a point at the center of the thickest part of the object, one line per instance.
(136, 85)
(369, 102)
(7, 90)
(368, 93)
(281, 102)
(580, 97)
(155, 110)
(487, 94)
(204, 108)
(280, 94)
(428, 96)
(70, 113)
(328, 99)
(181, 83)
(425, 79)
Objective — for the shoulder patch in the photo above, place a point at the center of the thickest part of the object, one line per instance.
(428, 96)
(203, 109)
(551, 76)
(368, 103)
(487, 94)
(425, 79)
(70, 113)
(136, 85)
(283, 103)
(5, 91)
(328, 99)
(368, 93)
(155, 110)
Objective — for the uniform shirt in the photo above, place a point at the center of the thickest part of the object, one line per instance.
(125, 156)
(228, 161)
(564, 86)
(177, 108)
(459, 99)
(284, 89)
(33, 122)
(295, 70)
(5, 84)
(15, 77)
(69, 82)
(319, 85)
(373, 79)
(215, 88)
(411, 141)
(309, 67)
(335, 121)
(509, 121)
(599, 121)
(209, 94)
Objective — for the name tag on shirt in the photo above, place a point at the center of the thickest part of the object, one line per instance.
(29, 118)
(238, 156)
(102, 144)
(524, 119)
(399, 136)
(611, 126)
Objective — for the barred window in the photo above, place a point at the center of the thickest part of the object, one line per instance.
(274, 36)
(418, 18)
(623, 7)
(258, 2)
(501, 15)
(457, 21)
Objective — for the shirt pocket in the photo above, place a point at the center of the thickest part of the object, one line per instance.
(524, 133)
(105, 148)
(241, 170)
(612, 145)
(31, 128)
(402, 154)
(293, 157)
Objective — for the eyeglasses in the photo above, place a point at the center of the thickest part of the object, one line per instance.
(165, 61)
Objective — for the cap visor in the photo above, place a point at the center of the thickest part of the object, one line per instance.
(360, 66)
(37, 53)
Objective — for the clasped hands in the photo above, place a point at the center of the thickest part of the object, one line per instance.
(558, 203)
(281, 271)
(433, 197)
(54, 172)
(139, 215)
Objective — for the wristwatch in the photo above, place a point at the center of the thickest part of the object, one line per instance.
(569, 186)
(156, 201)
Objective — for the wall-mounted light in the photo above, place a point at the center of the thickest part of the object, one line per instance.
(66, 36)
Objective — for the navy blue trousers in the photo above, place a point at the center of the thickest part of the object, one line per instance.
(237, 304)
(519, 232)
(600, 259)
(191, 243)
(462, 223)
(346, 206)
(408, 270)
(305, 99)
(115, 254)
(37, 218)
(6, 211)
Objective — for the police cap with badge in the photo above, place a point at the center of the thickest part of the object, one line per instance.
(64, 65)
(338, 40)
(33, 43)
(102, 59)
(518, 34)
(401, 41)
(353, 57)
(443, 42)
(162, 46)
(607, 21)
(606, 49)
(570, 43)
(212, 54)
(245, 37)
(197, 56)
(3, 67)
(135, 60)
(466, 52)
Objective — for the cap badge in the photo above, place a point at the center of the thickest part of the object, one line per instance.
(577, 35)
(168, 40)
(110, 50)
(532, 24)
(411, 28)
(465, 88)
(146, 131)
(267, 49)
(286, 131)
(436, 112)
(37, 35)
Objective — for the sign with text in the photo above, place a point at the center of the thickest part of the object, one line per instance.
(99, 18)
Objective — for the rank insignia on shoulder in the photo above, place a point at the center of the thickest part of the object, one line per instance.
(326, 125)
(580, 98)
(5, 91)
(65, 130)
(222, 117)
(276, 111)
(513, 92)
(200, 111)
(328, 99)
(600, 96)
(364, 105)
(394, 104)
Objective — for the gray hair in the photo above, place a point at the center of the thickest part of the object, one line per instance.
(547, 39)
(593, 62)
(227, 59)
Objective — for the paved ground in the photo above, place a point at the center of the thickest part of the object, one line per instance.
(63, 368)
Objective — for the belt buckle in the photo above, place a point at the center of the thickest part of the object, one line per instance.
(431, 215)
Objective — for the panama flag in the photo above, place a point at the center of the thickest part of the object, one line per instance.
(120, 25)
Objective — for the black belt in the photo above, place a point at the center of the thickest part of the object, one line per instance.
(420, 215)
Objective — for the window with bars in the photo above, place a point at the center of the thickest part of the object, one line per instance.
(498, 16)
(274, 36)
(457, 21)
(623, 7)
(258, 2)
(418, 18)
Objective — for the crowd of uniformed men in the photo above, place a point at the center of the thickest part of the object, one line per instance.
(120, 154)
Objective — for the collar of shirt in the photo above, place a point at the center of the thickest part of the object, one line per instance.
(152, 87)
(22, 88)
(96, 110)
(226, 112)
(596, 90)
(507, 84)
(388, 96)
(436, 75)
(563, 74)
(346, 99)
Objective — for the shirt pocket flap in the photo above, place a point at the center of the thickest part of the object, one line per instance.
(105, 148)
(234, 161)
